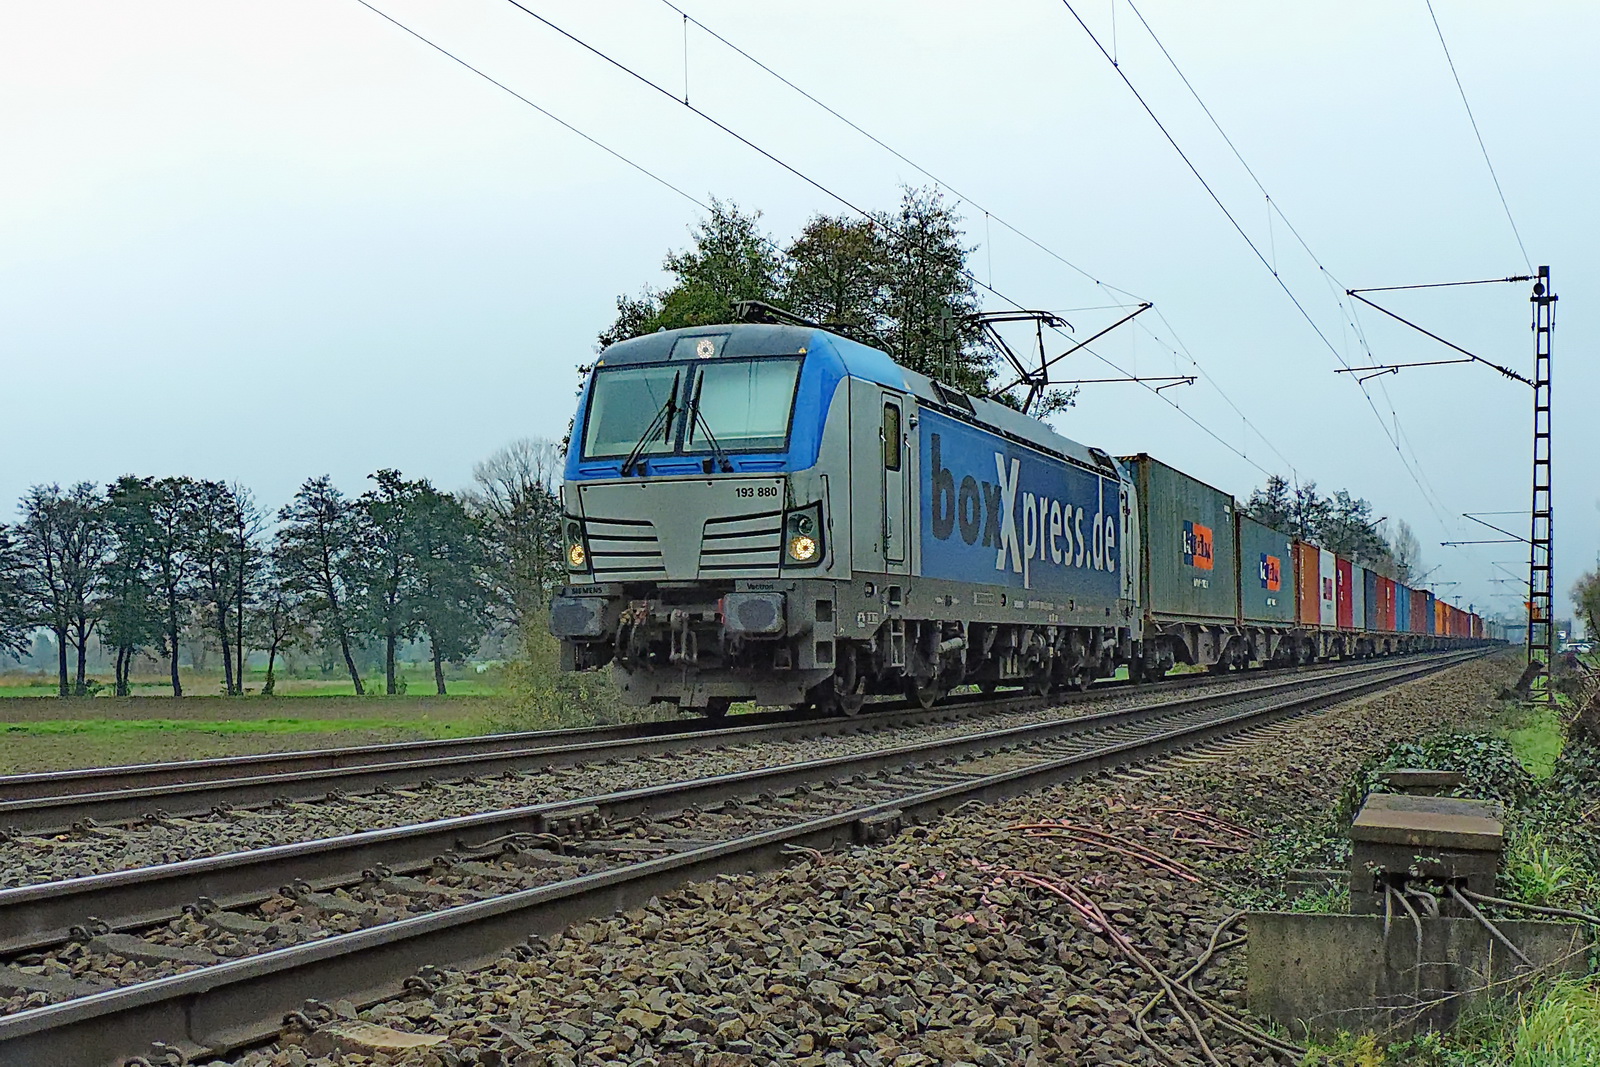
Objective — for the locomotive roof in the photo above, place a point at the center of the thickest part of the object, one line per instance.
(743, 340)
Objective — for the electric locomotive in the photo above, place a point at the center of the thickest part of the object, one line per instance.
(778, 514)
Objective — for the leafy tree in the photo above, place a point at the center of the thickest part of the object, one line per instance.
(276, 620)
(385, 516)
(171, 505)
(929, 295)
(224, 531)
(63, 543)
(452, 596)
(316, 554)
(515, 503)
(837, 274)
(15, 630)
(131, 615)
(731, 260)
(1586, 593)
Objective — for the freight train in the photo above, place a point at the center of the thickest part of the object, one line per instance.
(778, 514)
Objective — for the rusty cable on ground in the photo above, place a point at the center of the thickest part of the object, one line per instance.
(1099, 838)
(1211, 950)
(1206, 819)
(1098, 921)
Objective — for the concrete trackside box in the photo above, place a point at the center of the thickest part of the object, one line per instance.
(1189, 563)
(1266, 573)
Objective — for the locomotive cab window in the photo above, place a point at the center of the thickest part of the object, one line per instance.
(695, 405)
(625, 402)
(742, 405)
(891, 437)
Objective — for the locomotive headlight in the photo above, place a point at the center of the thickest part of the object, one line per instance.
(577, 555)
(802, 548)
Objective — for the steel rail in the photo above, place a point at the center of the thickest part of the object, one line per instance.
(237, 1003)
(122, 795)
(88, 780)
(43, 914)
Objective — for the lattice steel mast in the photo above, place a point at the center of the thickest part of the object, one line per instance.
(1541, 575)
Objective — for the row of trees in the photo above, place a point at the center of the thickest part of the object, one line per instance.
(896, 279)
(1340, 523)
(133, 563)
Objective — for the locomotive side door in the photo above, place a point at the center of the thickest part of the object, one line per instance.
(891, 435)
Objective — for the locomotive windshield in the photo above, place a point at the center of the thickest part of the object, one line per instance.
(744, 405)
(725, 405)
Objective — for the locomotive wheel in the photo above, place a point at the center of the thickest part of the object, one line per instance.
(925, 694)
(844, 693)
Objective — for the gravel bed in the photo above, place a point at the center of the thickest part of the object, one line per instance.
(25, 860)
(932, 949)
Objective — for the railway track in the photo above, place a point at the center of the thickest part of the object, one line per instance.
(56, 801)
(362, 913)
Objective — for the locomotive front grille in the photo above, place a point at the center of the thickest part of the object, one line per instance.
(747, 543)
(625, 549)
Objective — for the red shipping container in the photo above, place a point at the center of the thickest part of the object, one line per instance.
(1345, 595)
(1419, 613)
(1307, 582)
(1385, 604)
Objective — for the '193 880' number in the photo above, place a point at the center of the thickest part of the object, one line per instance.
(757, 490)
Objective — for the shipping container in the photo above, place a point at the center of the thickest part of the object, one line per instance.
(1439, 626)
(1345, 598)
(1428, 613)
(1189, 564)
(1419, 611)
(1385, 604)
(1358, 597)
(1328, 606)
(1402, 608)
(1369, 591)
(1266, 573)
(1307, 583)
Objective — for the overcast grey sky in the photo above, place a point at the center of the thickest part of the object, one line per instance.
(266, 241)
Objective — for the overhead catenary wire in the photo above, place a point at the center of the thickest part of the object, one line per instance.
(989, 216)
(641, 168)
(870, 217)
(1217, 199)
(1527, 261)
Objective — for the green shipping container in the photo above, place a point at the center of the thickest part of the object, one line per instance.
(1266, 574)
(1189, 566)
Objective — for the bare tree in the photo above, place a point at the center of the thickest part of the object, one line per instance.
(15, 628)
(515, 497)
(1407, 552)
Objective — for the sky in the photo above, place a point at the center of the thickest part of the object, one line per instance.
(262, 242)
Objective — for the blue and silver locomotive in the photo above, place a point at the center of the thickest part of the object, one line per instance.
(778, 514)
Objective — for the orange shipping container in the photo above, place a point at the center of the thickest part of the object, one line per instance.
(1307, 584)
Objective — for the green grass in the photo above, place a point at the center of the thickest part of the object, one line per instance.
(1537, 741)
(61, 727)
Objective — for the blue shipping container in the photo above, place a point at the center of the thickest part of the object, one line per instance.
(1402, 608)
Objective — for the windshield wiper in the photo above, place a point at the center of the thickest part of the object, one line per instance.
(718, 453)
(663, 418)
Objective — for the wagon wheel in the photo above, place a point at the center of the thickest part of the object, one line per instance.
(926, 694)
(1038, 682)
